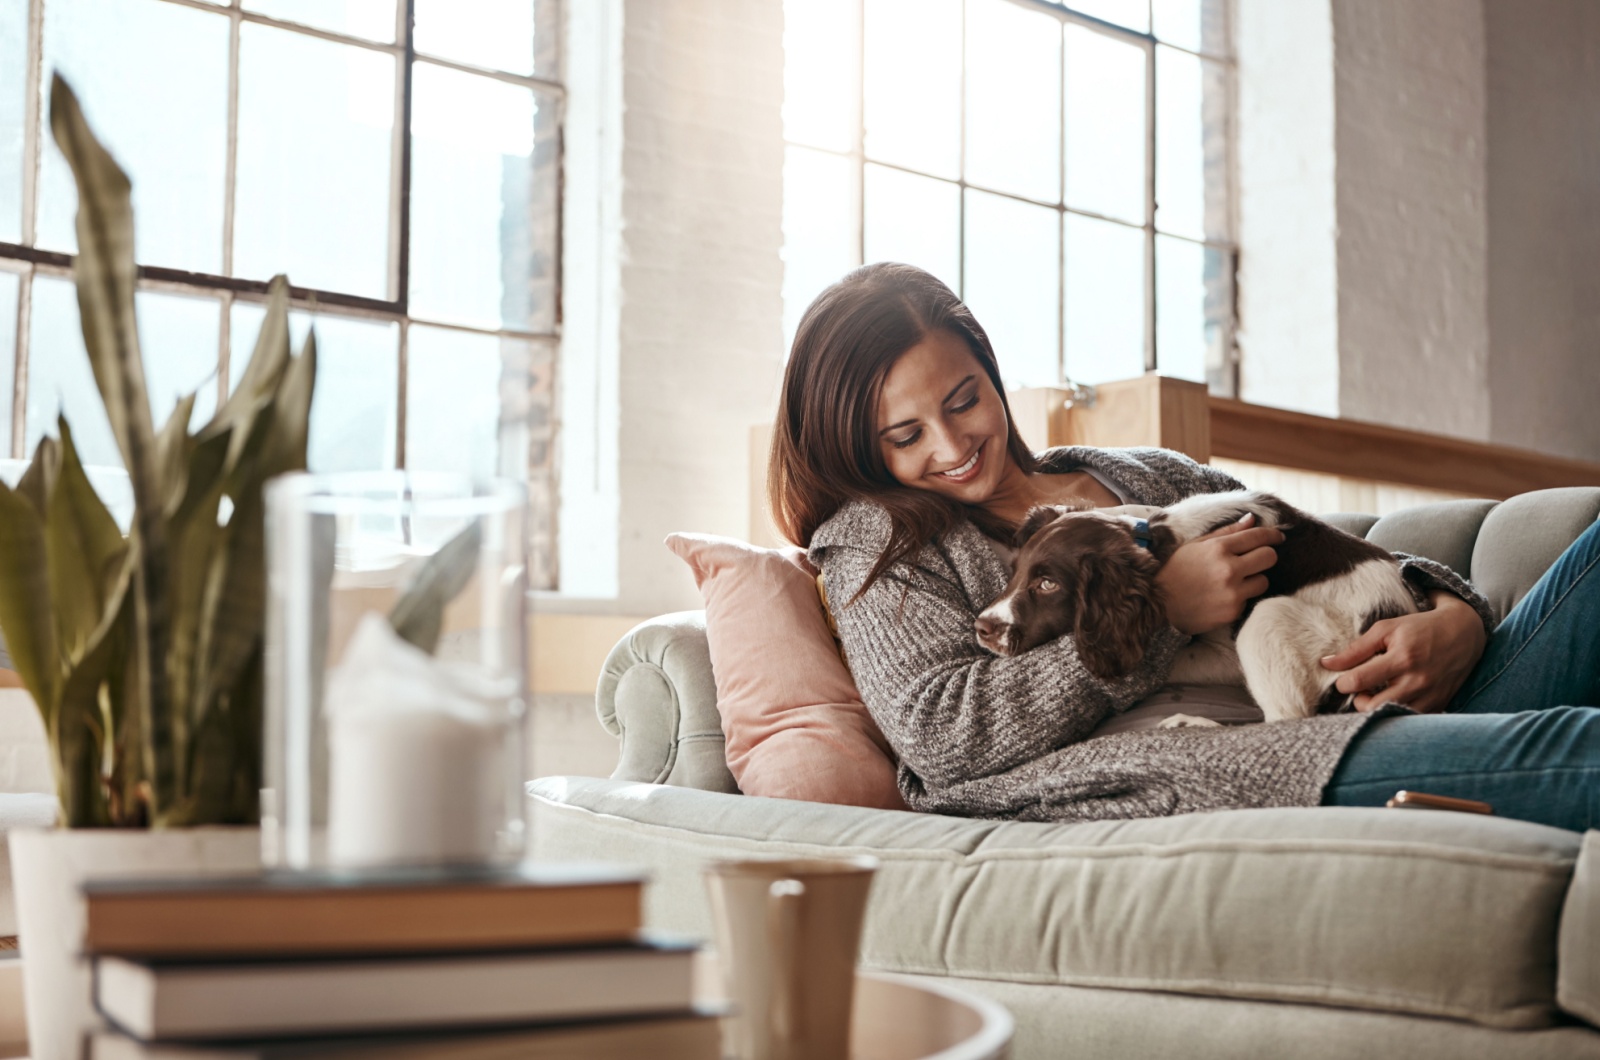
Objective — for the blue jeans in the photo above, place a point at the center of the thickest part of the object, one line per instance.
(1510, 738)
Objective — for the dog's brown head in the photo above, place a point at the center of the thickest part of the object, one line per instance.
(1081, 572)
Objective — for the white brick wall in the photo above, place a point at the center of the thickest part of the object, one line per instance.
(701, 341)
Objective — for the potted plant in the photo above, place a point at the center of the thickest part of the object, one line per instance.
(143, 653)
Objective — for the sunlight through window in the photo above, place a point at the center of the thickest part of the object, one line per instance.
(1065, 168)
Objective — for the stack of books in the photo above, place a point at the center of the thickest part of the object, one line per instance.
(529, 962)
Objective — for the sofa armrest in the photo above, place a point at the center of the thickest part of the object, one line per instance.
(1578, 982)
(657, 695)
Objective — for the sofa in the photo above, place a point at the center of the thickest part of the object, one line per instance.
(1307, 932)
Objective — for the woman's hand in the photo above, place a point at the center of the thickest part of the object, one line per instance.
(1208, 580)
(1421, 660)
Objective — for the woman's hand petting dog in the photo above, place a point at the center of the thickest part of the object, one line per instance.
(1208, 581)
(1421, 660)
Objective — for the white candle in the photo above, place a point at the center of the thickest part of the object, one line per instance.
(416, 749)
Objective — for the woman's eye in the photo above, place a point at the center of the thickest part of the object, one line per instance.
(1046, 585)
(967, 404)
(910, 439)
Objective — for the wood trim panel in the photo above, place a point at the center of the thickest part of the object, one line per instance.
(1386, 454)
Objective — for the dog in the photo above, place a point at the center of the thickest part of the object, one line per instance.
(1092, 573)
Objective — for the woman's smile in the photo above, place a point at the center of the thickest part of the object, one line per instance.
(967, 471)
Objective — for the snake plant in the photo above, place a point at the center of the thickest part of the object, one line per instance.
(144, 653)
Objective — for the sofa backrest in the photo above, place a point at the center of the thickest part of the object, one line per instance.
(1500, 546)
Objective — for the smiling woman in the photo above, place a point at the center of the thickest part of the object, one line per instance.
(853, 422)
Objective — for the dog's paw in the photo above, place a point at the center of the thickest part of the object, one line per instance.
(1187, 721)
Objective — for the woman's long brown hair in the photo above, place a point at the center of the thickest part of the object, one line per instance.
(825, 449)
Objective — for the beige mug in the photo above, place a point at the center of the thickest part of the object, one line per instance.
(787, 937)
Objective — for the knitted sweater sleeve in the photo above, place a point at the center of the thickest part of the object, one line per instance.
(1424, 574)
(951, 711)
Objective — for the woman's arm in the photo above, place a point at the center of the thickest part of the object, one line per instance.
(950, 710)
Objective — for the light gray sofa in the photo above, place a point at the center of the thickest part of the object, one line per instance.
(1307, 933)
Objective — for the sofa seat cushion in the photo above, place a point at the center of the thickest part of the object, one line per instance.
(1418, 912)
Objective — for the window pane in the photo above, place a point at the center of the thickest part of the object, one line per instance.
(315, 122)
(1194, 298)
(913, 90)
(1014, 283)
(354, 409)
(369, 19)
(1105, 300)
(820, 71)
(1191, 145)
(9, 283)
(1014, 99)
(497, 34)
(477, 184)
(464, 394)
(13, 85)
(1134, 14)
(1105, 101)
(1198, 25)
(914, 219)
(179, 337)
(819, 228)
(177, 333)
(153, 81)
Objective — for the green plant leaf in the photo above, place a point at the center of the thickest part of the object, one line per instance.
(40, 477)
(172, 454)
(106, 280)
(26, 615)
(84, 551)
(262, 374)
(80, 730)
(292, 411)
(234, 609)
(418, 616)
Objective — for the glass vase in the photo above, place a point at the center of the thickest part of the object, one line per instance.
(396, 671)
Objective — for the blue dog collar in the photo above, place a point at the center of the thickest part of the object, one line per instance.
(1141, 533)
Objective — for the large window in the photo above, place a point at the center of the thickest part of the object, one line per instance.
(398, 159)
(1066, 169)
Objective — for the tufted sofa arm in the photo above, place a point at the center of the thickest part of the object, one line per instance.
(656, 691)
(656, 694)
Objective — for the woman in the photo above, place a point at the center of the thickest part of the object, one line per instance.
(896, 463)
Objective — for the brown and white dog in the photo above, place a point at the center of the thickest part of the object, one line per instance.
(1092, 573)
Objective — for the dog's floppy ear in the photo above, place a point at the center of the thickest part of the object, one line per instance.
(1119, 610)
(1038, 517)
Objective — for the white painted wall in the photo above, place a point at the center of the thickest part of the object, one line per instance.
(1544, 223)
(1420, 214)
(1288, 267)
(1412, 214)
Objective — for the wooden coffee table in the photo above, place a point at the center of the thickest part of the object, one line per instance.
(900, 1017)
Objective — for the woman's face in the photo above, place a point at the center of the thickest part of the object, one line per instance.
(941, 426)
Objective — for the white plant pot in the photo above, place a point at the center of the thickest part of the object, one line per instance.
(47, 867)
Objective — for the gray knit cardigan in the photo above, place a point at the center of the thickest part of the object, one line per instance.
(983, 736)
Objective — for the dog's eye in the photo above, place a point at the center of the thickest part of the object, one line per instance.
(1046, 585)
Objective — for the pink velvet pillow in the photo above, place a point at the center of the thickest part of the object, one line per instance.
(795, 725)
